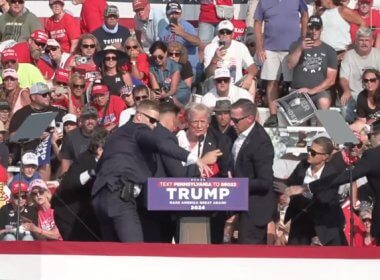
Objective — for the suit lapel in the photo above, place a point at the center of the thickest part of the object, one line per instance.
(209, 144)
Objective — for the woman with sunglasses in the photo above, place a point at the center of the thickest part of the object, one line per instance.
(368, 102)
(165, 76)
(46, 228)
(109, 62)
(178, 53)
(138, 64)
(314, 218)
(77, 94)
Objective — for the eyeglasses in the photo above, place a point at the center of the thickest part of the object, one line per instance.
(50, 49)
(151, 119)
(23, 196)
(237, 120)
(371, 80)
(367, 220)
(10, 62)
(79, 86)
(159, 57)
(9, 79)
(142, 97)
(222, 80)
(41, 45)
(174, 54)
(132, 47)
(17, 1)
(225, 32)
(86, 46)
(110, 58)
(313, 152)
(36, 193)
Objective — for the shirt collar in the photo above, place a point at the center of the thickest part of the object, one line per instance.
(246, 132)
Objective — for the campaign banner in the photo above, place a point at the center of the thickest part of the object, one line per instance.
(198, 194)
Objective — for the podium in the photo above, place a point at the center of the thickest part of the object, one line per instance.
(194, 230)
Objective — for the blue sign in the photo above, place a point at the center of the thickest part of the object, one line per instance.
(198, 194)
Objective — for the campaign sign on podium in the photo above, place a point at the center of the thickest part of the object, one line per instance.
(198, 194)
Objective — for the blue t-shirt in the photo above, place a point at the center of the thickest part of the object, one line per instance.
(282, 22)
(16, 177)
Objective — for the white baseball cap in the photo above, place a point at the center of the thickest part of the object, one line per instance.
(225, 24)
(222, 73)
(69, 118)
(29, 158)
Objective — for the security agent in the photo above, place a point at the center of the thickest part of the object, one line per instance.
(122, 172)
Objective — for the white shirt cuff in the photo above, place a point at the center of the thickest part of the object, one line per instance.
(84, 177)
(191, 159)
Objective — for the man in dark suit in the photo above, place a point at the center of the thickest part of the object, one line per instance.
(253, 158)
(122, 172)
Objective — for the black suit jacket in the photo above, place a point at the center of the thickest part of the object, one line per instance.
(255, 161)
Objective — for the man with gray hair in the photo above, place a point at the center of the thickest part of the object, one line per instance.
(355, 61)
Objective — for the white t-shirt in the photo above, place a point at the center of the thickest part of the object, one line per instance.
(235, 93)
(126, 115)
(236, 58)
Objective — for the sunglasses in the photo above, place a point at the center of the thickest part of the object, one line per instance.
(10, 62)
(151, 119)
(132, 47)
(9, 79)
(367, 220)
(223, 80)
(51, 49)
(237, 120)
(174, 54)
(225, 32)
(142, 97)
(314, 28)
(158, 57)
(86, 46)
(41, 45)
(44, 95)
(79, 86)
(371, 80)
(110, 58)
(17, 1)
(23, 196)
(313, 153)
(36, 193)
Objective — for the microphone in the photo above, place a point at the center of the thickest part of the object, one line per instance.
(200, 140)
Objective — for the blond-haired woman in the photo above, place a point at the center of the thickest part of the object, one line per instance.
(138, 65)
(178, 53)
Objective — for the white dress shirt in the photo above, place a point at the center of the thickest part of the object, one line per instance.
(239, 141)
(309, 177)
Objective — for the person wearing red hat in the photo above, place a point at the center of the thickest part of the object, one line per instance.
(17, 15)
(91, 14)
(62, 26)
(61, 91)
(109, 107)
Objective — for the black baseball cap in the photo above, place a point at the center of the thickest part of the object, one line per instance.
(315, 21)
(173, 7)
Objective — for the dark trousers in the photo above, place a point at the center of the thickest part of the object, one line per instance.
(118, 219)
(250, 233)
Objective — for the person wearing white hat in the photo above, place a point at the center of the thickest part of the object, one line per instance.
(223, 89)
(229, 53)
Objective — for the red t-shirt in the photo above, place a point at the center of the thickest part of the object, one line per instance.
(46, 70)
(142, 62)
(115, 107)
(92, 15)
(63, 31)
(46, 220)
(208, 10)
(372, 21)
(23, 52)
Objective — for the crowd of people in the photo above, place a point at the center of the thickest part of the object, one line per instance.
(167, 99)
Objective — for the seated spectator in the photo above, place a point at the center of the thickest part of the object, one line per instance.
(362, 57)
(5, 113)
(371, 18)
(77, 93)
(52, 59)
(126, 95)
(16, 96)
(18, 22)
(110, 61)
(109, 107)
(29, 167)
(178, 53)
(8, 219)
(4, 6)
(60, 93)
(365, 214)
(165, 78)
(139, 93)
(27, 73)
(70, 123)
(221, 121)
(224, 89)
(45, 229)
(181, 31)
(314, 65)
(138, 64)
(111, 33)
(31, 50)
(62, 27)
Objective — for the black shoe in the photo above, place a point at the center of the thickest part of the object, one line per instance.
(272, 121)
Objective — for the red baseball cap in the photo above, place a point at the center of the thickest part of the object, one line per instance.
(62, 76)
(99, 89)
(17, 186)
(139, 4)
(8, 54)
(39, 36)
(366, 1)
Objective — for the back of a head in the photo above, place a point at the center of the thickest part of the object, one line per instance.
(246, 105)
(146, 105)
(168, 107)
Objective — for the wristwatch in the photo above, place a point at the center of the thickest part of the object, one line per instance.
(134, 63)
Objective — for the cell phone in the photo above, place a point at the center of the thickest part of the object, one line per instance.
(61, 90)
(59, 127)
(309, 35)
(173, 21)
(222, 44)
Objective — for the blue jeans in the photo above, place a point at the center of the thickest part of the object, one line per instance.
(207, 31)
(349, 111)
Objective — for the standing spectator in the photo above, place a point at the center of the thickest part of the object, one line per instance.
(179, 30)
(138, 64)
(31, 50)
(178, 53)
(362, 57)
(314, 65)
(18, 22)
(52, 59)
(62, 27)
(208, 19)
(16, 96)
(282, 27)
(111, 32)
(252, 4)
(253, 158)
(91, 15)
(146, 23)
(109, 107)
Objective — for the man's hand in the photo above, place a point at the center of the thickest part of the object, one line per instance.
(220, 52)
(346, 96)
(306, 90)
(177, 29)
(261, 55)
(294, 190)
(204, 169)
(279, 186)
(211, 157)
(307, 43)
(247, 82)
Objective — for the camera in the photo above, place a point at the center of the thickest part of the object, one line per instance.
(81, 60)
